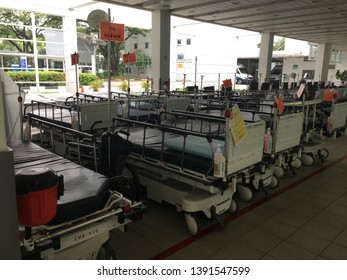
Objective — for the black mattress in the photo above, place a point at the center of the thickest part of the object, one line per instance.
(85, 191)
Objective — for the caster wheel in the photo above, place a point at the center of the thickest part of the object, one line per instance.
(245, 193)
(193, 223)
(234, 206)
(279, 171)
(323, 154)
(106, 252)
(296, 163)
(307, 159)
(274, 182)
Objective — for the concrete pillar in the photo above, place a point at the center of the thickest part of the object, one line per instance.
(265, 57)
(70, 47)
(161, 21)
(9, 241)
(322, 62)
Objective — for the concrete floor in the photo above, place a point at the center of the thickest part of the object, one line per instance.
(304, 218)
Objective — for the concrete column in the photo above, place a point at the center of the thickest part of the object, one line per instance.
(322, 63)
(70, 47)
(9, 241)
(265, 57)
(161, 21)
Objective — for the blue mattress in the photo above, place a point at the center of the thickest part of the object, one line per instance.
(197, 156)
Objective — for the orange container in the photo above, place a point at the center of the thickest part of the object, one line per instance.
(37, 196)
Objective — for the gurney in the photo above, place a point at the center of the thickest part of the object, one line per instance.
(176, 164)
(89, 207)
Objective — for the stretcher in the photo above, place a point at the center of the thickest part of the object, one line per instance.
(89, 207)
(176, 164)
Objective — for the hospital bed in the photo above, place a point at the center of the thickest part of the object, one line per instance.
(176, 164)
(89, 207)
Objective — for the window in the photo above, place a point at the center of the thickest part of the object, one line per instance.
(135, 46)
(308, 74)
(188, 41)
(295, 66)
(335, 56)
(179, 42)
(146, 45)
(313, 52)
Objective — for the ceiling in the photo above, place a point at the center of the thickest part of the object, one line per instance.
(317, 21)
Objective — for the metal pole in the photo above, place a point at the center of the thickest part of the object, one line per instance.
(128, 114)
(218, 85)
(109, 76)
(35, 51)
(78, 96)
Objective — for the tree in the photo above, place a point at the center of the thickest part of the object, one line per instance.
(17, 25)
(116, 47)
(143, 60)
(279, 45)
(342, 76)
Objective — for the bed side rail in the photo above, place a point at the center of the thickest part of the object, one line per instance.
(50, 111)
(165, 130)
(75, 142)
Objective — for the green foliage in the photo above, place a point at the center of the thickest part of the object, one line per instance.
(342, 76)
(279, 45)
(146, 86)
(123, 86)
(47, 78)
(96, 84)
(142, 59)
(86, 78)
(18, 26)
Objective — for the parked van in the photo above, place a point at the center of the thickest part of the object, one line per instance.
(276, 73)
(242, 76)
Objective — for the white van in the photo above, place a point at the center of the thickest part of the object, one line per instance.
(242, 76)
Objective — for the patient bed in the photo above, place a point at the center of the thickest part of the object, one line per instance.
(175, 161)
(88, 204)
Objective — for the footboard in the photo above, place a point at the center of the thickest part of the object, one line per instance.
(288, 132)
(248, 152)
(339, 111)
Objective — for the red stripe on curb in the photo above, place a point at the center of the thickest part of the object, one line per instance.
(175, 248)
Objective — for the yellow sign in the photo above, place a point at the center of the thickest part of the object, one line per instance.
(237, 125)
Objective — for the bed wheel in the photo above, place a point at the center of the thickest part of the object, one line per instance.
(245, 193)
(106, 252)
(279, 171)
(193, 223)
(307, 159)
(234, 206)
(274, 182)
(323, 154)
(125, 186)
(296, 163)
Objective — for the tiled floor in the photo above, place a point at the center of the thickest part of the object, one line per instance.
(305, 218)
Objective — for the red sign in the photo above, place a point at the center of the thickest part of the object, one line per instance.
(74, 58)
(227, 83)
(280, 104)
(112, 31)
(129, 58)
(328, 95)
